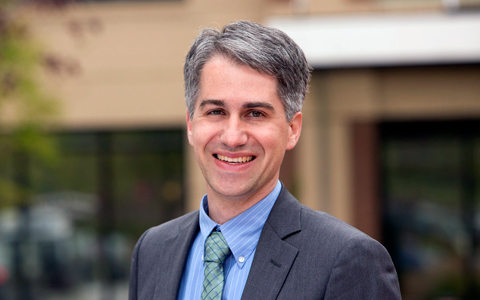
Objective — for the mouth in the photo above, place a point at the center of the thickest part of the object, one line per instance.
(235, 160)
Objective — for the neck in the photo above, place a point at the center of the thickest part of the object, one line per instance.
(222, 209)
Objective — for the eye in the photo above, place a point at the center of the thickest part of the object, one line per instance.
(256, 114)
(215, 112)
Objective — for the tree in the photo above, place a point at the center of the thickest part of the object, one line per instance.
(26, 110)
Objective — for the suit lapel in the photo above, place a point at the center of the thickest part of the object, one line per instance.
(274, 257)
(172, 261)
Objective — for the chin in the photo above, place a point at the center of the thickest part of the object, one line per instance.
(232, 191)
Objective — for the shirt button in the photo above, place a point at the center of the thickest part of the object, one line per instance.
(241, 259)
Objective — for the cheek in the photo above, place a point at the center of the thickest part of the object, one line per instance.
(202, 134)
(274, 140)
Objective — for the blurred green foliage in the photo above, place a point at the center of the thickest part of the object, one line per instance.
(26, 110)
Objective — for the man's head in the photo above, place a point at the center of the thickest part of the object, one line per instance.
(266, 50)
(245, 88)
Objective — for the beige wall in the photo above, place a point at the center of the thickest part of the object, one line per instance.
(131, 58)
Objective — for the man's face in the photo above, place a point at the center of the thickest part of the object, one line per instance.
(239, 131)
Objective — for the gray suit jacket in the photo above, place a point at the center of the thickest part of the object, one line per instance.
(301, 254)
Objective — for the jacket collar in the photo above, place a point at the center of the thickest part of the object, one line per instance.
(274, 257)
(172, 260)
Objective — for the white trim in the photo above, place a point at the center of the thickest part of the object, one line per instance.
(375, 40)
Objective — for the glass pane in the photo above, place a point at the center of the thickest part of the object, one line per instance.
(74, 236)
(424, 213)
(432, 222)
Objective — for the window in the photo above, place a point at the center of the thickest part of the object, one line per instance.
(84, 214)
(431, 180)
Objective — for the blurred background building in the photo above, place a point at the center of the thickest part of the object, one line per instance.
(390, 141)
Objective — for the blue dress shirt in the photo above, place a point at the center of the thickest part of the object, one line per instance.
(242, 234)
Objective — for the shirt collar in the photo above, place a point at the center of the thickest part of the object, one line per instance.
(243, 231)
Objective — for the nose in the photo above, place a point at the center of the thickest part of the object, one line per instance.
(234, 132)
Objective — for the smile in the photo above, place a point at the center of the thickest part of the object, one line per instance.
(236, 160)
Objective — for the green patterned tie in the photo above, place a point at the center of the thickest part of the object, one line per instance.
(216, 250)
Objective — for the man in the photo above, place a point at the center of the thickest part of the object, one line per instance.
(251, 239)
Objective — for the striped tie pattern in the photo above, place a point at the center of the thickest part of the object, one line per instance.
(216, 250)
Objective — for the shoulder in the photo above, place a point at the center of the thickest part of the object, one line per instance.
(288, 212)
(340, 255)
(319, 230)
(338, 237)
(161, 248)
(355, 259)
(329, 226)
(167, 230)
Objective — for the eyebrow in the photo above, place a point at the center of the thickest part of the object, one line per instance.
(221, 103)
(259, 105)
(212, 102)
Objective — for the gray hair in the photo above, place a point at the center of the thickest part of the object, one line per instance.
(264, 49)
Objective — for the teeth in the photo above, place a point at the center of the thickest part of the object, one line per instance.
(235, 160)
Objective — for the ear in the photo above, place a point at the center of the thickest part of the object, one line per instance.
(294, 130)
(189, 129)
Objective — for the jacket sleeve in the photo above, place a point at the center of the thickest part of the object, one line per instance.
(363, 270)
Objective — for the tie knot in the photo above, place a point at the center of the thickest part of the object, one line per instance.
(216, 248)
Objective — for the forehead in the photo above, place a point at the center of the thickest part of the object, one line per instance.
(224, 79)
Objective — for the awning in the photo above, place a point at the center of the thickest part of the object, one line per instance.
(385, 40)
